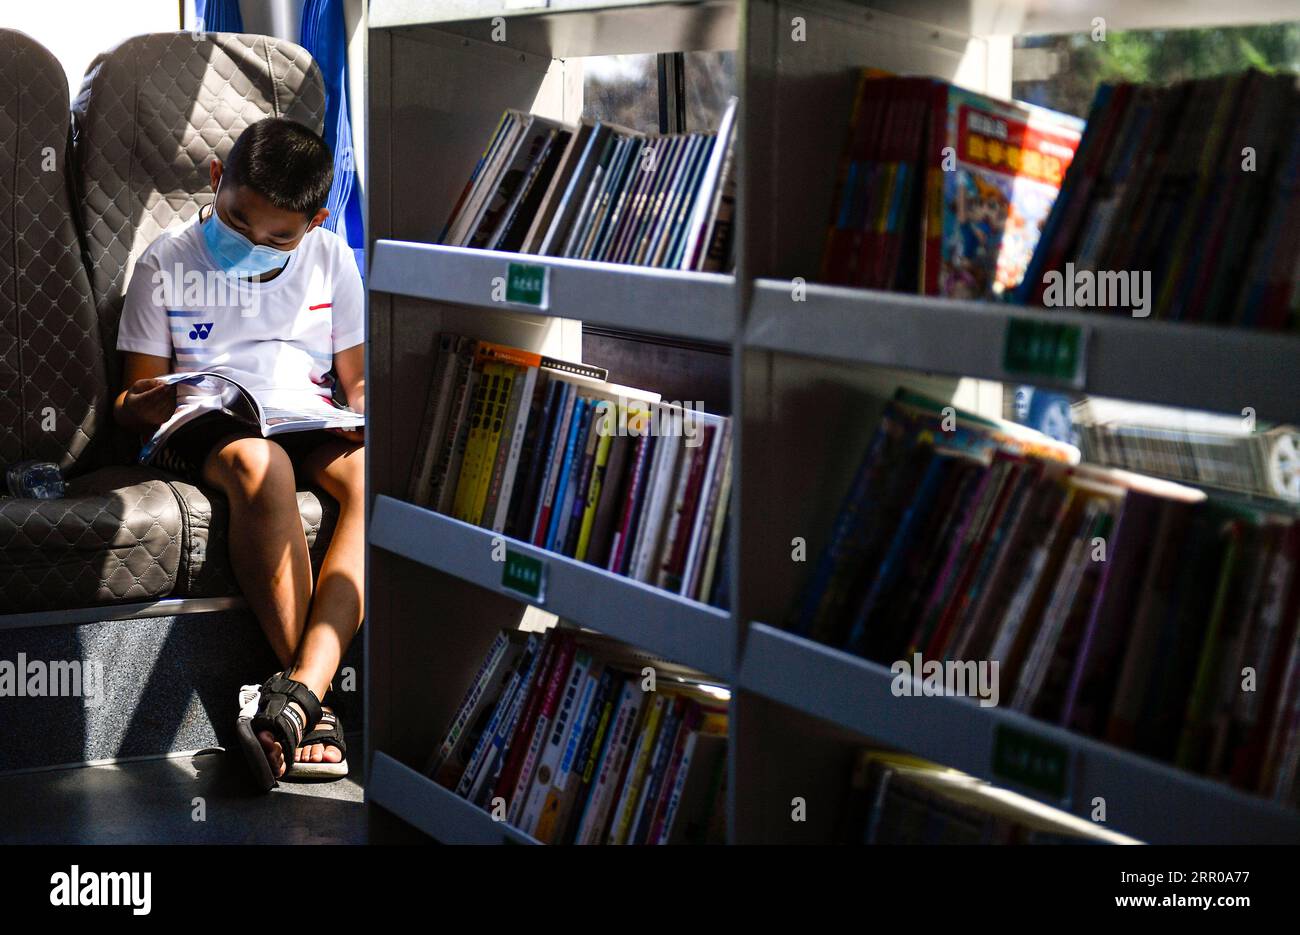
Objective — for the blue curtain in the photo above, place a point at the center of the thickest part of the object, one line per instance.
(219, 15)
(325, 37)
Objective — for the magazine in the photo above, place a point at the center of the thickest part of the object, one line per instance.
(1010, 160)
(219, 392)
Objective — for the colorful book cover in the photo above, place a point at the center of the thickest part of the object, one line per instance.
(494, 423)
(1008, 160)
(467, 482)
(559, 434)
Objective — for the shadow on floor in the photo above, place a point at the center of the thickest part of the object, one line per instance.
(205, 798)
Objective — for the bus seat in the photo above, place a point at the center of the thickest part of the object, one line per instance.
(150, 114)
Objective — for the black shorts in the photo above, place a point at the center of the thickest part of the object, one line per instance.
(189, 446)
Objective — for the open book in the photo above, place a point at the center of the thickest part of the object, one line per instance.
(216, 391)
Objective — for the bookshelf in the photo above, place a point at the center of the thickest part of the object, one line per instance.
(438, 81)
(436, 596)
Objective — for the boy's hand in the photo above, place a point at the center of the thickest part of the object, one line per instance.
(356, 436)
(151, 401)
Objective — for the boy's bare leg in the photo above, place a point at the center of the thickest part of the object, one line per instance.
(338, 467)
(268, 549)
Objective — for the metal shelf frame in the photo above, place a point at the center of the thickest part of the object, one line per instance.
(438, 79)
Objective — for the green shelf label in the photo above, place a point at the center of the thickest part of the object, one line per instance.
(526, 284)
(525, 575)
(1044, 349)
(1030, 761)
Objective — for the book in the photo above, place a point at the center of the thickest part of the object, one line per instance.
(1011, 159)
(563, 731)
(434, 424)
(565, 780)
(900, 799)
(551, 452)
(517, 778)
(598, 191)
(606, 786)
(481, 416)
(509, 443)
(943, 191)
(483, 691)
(518, 674)
(1126, 607)
(458, 436)
(209, 391)
(574, 696)
(683, 517)
(1193, 447)
(662, 480)
(1190, 183)
(594, 737)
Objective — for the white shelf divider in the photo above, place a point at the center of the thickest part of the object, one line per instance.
(433, 809)
(1146, 799)
(681, 630)
(698, 306)
(1196, 366)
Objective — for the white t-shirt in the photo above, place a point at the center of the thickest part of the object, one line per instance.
(277, 338)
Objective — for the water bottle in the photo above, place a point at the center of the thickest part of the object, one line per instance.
(41, 480)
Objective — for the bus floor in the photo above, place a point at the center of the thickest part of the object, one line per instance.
(196, 798)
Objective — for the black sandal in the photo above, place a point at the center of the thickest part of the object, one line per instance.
(330, 735)
(267, 707)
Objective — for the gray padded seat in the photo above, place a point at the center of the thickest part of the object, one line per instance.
(117, 537)
(151, 113)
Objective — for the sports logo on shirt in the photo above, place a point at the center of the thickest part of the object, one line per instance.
(201, 330)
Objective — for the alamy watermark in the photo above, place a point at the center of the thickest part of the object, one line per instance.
(36, 678)
(201, 289)
(1085, 288)
(77, 887)
(920, 677)
(637, 417)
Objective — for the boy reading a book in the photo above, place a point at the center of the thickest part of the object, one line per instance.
(257, 289)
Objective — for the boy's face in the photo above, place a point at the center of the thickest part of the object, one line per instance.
(257, 219)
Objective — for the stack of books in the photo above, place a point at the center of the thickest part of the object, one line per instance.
(942, 191)
(597, 191)
(1201, 448)
(1132, 609)
(1196, 184)
(548, 452)
(574, 738)
(900, 799)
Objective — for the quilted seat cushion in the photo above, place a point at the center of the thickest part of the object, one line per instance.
(115, 537)
(151, 114)
(127, 534)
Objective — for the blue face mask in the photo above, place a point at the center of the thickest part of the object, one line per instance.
(235, 253)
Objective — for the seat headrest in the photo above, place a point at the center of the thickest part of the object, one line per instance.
(153, 112)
